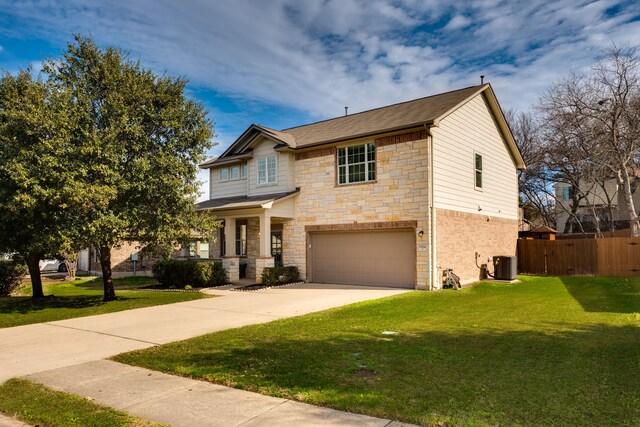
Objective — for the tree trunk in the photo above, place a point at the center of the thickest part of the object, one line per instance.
(105, 264)
(623, 178)
(33, 264)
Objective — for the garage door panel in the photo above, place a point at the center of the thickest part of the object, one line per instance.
(378, 258)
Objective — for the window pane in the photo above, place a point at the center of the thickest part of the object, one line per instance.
(204, 249)
(224, 174)
(371, 152)
(271, 162)
(272, 175)
(478, 162)
(372, 171)
(235, 172)
(356, 173)
(479, 179)
(342, 175)
(245, 169)
(341, 156)
(262, 177)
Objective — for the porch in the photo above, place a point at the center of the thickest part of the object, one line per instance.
(252, 233)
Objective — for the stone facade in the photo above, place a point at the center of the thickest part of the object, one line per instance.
(231, 265)
(399, 193)
(460, 235)
(260, 264)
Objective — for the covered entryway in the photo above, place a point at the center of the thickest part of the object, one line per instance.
(375, 258)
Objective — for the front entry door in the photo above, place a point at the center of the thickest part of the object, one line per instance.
(276, 247)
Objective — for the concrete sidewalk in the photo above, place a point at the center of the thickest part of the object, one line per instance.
(181, 401)
(34, 348)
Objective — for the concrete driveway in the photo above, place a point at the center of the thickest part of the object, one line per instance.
(34, 348)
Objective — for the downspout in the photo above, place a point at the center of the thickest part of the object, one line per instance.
(431, 229)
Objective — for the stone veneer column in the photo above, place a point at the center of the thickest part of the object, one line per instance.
(261, 264)
(231, 265)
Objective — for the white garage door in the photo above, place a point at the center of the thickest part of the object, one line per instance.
(374, 258)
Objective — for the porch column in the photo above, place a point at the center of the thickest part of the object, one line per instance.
(265, 235)
(231, 261)
(230, 237)
(265, 259)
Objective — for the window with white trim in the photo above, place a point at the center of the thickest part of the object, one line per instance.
(478, 170)
(267, 167)
(357, 163)
(233, 173)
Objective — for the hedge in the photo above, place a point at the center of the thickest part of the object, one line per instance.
(198, 274)
(280, 275)
(10, 276)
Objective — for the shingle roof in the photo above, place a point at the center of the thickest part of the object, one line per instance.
(396, 116)
(405, 115)
(242, 202)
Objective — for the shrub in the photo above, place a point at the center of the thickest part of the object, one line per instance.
(280, 275)
(11, 274)
(198, 274)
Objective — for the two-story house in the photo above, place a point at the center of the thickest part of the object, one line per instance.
(386, 197)
(599, 206)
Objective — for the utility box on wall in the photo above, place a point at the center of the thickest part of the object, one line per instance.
(505, 267)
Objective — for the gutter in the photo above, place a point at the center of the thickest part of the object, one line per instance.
(431, 229)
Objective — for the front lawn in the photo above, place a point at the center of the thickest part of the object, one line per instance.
(83, 297)
(547, 351)
(32, 403)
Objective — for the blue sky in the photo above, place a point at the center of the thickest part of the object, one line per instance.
(282, 63)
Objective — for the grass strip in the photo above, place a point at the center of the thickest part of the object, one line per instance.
(38, 405)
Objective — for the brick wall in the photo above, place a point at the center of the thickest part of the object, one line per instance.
(121, 259)
(460, 235)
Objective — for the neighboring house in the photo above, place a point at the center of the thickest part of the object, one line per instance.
(386, 197)
(593, 207)
(123, 256)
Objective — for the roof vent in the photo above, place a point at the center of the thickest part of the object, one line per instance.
(346, 110)
(481, 80)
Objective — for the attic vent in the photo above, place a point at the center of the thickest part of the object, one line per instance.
(346, 111)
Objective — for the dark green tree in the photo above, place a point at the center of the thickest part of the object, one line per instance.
(40, 195)
(139, 139)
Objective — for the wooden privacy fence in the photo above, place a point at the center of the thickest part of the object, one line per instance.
(616, 256)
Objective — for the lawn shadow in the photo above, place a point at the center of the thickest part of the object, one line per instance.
(123, 283)
(605, 294)
(570, 376)
(26, 304)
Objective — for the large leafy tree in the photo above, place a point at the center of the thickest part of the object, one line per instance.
(40, 195)
(139, 140)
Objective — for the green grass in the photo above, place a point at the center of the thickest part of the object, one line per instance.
(547, 351)
(83, 297)
(40, 406)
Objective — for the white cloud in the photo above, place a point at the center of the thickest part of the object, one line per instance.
(319, 56)
(457, 22)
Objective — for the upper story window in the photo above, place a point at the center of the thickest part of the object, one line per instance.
(267, 167)
(478, 170)
(233, 173)
(567, 193)
(357, 163)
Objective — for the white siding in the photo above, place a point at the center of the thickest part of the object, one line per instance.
(285, 179)
(219, 189)
(471, 129)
